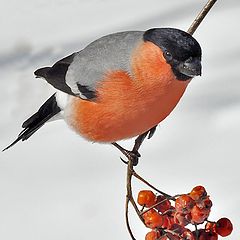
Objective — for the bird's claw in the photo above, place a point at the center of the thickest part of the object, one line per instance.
(124, 161)
(151, 132)
(131, 156)
(134, 155)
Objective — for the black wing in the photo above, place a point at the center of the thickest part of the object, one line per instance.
(56, 74)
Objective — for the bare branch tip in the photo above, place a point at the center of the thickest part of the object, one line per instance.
(197, 21)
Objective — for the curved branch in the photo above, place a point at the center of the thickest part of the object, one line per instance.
(127, 219)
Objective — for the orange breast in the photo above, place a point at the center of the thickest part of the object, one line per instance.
(128, 105)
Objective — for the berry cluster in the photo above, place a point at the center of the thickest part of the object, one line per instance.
(168, 220)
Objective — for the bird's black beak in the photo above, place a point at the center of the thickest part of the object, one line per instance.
(191, 67)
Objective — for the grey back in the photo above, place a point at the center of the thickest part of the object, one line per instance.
(109, 53)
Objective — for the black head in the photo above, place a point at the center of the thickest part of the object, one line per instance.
(180, 50)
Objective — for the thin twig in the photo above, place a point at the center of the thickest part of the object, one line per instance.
(129, 198)
(127, 219)
(151, 186)
(153, 206)
(197, 232)
(172, 232)
(156, 204)
(129, 189)
(201, 16)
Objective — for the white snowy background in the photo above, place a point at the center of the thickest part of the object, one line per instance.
(57, 186)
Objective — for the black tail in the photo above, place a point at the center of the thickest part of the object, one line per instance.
(31, 125)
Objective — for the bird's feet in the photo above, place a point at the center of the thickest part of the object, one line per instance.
(130, 155)
(134, 155)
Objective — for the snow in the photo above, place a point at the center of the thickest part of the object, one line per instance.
(57, 185)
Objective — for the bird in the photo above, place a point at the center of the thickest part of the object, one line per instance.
(120, 86)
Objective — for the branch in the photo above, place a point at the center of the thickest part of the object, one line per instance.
(201, 16)
(127, 219)
(129, 197)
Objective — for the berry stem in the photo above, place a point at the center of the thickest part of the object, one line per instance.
(173, 232)
(197, 232)
(210, 221)
(156, 204)
(151, 186)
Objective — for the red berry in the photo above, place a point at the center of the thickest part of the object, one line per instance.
(224, 227)
(199, 215)
(146, 198)
(198, 192)
(171, 211)
(165, 221)
(153, 235)
(210, 227)
(205, 203)
(172, 236)
(164, 204)
(156, 235)
(184, 204)
(203, 235)
(177, 228)
(187, 235)
(168, 221)
(182, 219)
(153, 219)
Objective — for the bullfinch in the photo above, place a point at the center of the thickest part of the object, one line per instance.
(120, 86)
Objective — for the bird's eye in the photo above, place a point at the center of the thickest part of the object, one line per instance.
(168, 56)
